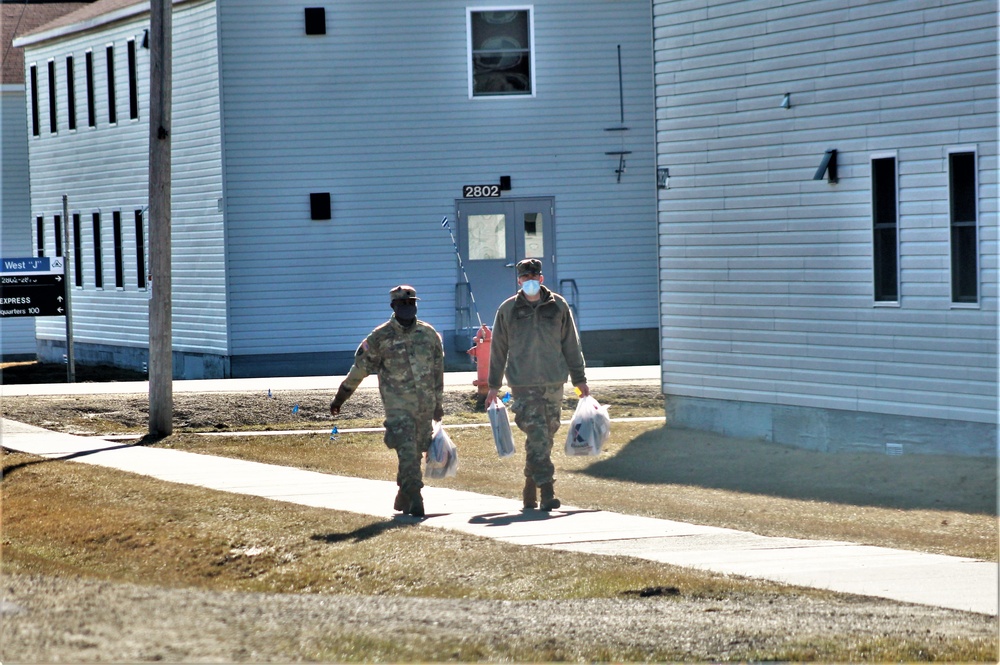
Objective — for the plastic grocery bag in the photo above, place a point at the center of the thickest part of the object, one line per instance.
(442, 456)
(589, 428)
(500, 424)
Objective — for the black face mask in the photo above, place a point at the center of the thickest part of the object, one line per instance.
(405, 314)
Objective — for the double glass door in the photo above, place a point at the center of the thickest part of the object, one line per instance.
(493, 235)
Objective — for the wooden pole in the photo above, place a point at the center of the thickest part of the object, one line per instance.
(161, 369)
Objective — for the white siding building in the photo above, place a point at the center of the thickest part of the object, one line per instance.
(17, 334)
(830, 303)
(316, 151)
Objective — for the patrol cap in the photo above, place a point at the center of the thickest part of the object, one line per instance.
(529, 267)
(403, 292)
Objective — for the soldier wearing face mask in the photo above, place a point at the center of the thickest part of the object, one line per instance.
(536, 344)
(408, 357)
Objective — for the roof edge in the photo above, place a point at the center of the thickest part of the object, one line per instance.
(84, 25)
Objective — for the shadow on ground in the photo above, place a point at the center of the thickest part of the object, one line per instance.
(361, 534)
(16, 373)
(688, 457)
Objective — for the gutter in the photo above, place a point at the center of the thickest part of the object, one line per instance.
(91, 23)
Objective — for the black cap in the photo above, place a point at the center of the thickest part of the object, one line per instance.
(529, 267)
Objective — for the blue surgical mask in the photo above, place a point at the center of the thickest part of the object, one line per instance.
(531, 287)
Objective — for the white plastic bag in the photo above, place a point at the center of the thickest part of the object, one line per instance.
(589, 428)
(500, 424)
(442, 456)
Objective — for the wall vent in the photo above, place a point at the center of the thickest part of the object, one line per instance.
(315, 20)
(319, 203)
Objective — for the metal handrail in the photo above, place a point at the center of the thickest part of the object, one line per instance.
(569, 291)
(464, 330)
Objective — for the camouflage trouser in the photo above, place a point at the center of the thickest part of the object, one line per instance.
(410, 436)
(536, 413)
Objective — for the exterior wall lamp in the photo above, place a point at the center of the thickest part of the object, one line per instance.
(828, 167)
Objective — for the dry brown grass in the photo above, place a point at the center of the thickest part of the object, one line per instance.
(73, 520)
(69, 519)
(935, 504)
(65, 518)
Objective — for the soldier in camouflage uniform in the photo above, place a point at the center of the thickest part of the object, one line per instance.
(536, 344)
(408, 357)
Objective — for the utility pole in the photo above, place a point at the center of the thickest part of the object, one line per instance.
(161, 369)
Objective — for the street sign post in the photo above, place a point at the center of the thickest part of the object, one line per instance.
(33, 286)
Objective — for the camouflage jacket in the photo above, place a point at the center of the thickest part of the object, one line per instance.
(409, 364)
(535, 344)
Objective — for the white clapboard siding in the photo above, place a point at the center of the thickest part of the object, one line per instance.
(765, 273)
(376, 112)
(108, 171)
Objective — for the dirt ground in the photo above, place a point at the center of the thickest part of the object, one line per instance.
(963, 484)
(72, 619)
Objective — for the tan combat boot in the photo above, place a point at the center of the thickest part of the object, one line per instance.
(549, 500)
(530, 494)
(402, 502)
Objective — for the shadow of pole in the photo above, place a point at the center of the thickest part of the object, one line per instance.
(363, 533)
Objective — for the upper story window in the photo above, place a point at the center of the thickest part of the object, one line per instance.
(70, 94)
(53, 120)
(133, 82)
(112, 107)
(91, 109)
(963, 208)
(33, 76)
(500, 52)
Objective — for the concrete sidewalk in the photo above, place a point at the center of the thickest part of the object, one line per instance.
(912, 577)
(639, 375)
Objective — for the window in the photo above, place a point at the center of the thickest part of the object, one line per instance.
(534, 240)
(133, 82)
(39, 236)
(89, 65)
(116, 228)
(98, 259)
(140, 251)
(53, 120)
(500, 48)
(112, 110)
(57, 225)
(963, 207)
(70, 94)
(886, 243)
(487, 237)
(77, 251)
(35, 131)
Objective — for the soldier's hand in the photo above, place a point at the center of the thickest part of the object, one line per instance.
(343, 392)
(438, 413)
(491, 397)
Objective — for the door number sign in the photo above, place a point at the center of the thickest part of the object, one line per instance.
(480, 191)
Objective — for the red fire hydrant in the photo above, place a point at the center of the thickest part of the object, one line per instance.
(480, 353)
